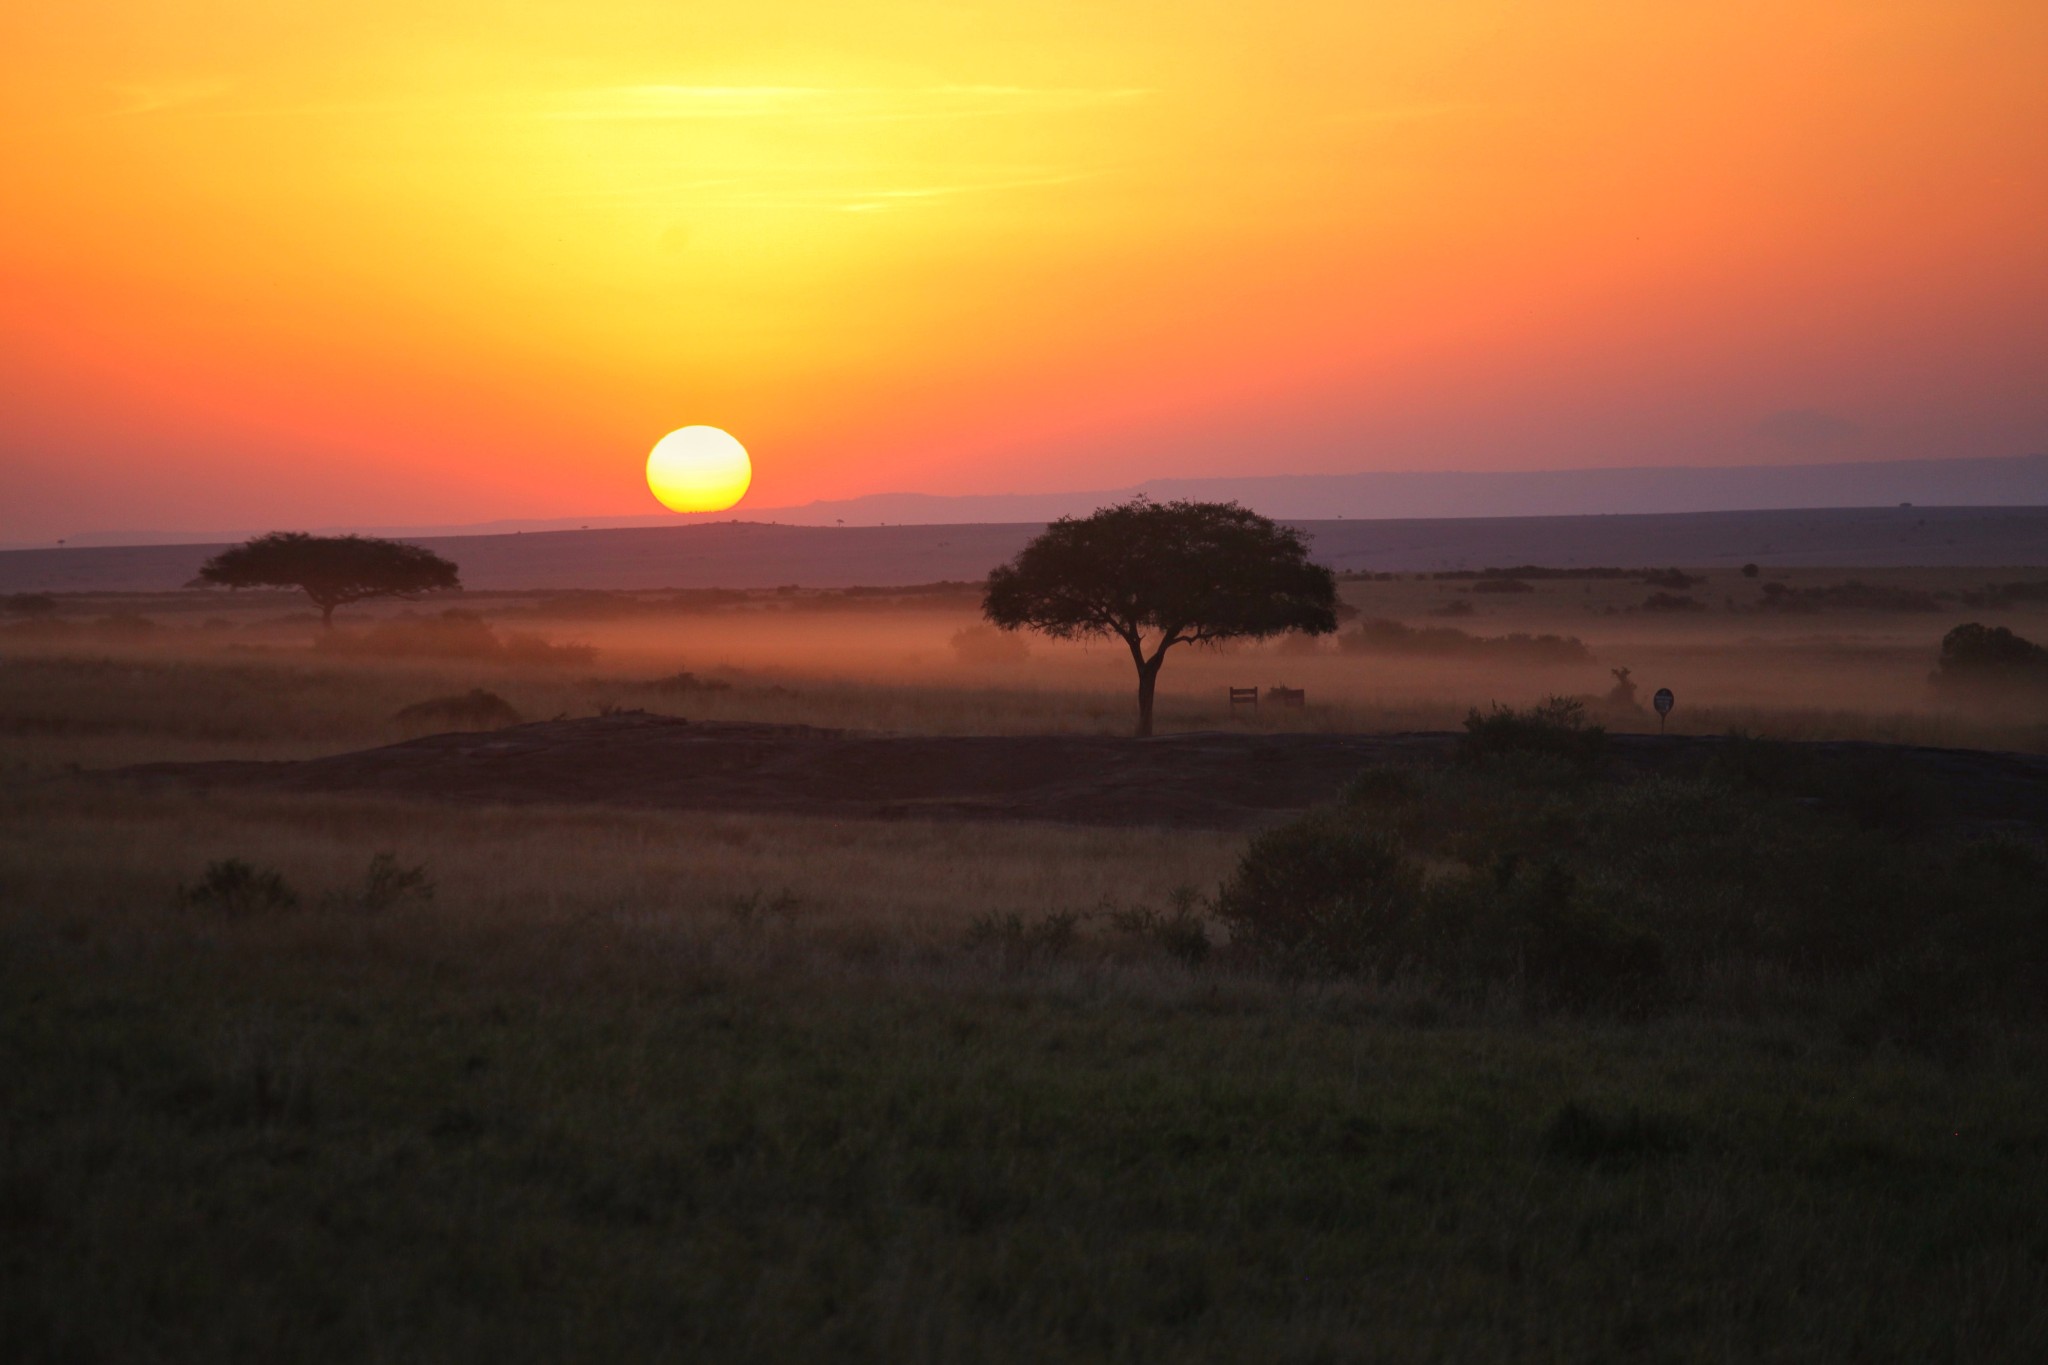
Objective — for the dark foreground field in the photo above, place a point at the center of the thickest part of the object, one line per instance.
(1519, 1044)
(269, 1145)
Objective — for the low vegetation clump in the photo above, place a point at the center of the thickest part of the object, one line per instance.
(239, 890)
(1853, 595)
(453, 634)
(2007, 594)
(388, 884)
(1555, 729)
(1672, 601)
(1503, 585)
(1979, 658)
(1765, 869)
(1382, 635)
(476, 709)
(686, 682)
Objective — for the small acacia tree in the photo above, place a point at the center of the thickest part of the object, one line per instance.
(332, 570)
(1156, 575)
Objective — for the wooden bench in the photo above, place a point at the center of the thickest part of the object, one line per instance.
(1296, 697)
(1243, 696)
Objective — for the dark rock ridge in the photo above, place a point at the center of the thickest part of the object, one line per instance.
(1208, 780)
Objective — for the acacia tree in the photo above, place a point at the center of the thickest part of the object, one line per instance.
(332, 570)
(1156, 575)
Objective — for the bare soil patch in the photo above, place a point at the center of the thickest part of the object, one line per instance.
(1207, 780)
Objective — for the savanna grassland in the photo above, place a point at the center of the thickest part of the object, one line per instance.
(1499, 1061)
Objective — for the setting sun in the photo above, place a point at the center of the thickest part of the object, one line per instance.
(699, 469)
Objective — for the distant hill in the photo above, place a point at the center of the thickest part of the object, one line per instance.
(2017, 481)
(755, 554)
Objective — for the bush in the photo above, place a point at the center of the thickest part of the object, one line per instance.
(1575, 956)
(1770, 863)
(475, 709)
(1383, 635)
(1321, 897)
(1850, 596)
(1554, 729)
(239, 890)
(1978, 656)
(386, 884)
(1665, 601)
(1179, 933)
(1502, 585)
(1678, 580)
(1010, 934)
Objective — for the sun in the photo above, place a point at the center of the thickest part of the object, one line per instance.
(699, 469)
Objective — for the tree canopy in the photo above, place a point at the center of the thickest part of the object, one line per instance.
(332, 570)
(1156, 575)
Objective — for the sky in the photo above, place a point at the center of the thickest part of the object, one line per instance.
(270, 265)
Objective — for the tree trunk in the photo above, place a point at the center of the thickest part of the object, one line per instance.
(327, 614)
(1148, 678)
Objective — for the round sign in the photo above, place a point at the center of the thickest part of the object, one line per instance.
(1663, 701)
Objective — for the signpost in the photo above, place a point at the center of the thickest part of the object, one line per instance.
(1663, 701)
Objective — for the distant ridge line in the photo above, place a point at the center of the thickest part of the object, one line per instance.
(1987, 482)
(750, 554)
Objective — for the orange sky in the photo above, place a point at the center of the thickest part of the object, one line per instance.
(270, 265)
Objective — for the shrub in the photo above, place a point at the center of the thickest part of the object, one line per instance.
(1008, 932)
(238, 890)
(1750, 571)
(1977, 656)
(1575, 956)
(475, 709)
(2007, 594)
(1678, 580)
(1389, 636)
(1502, 585)
(1665, 601)
(386, 884)
(1850, 596)
(1321, 897)
(1179, 933)
(1555, 728)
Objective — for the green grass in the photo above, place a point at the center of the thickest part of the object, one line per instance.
(424, 1135)
(341, 1157)
(638, 1085)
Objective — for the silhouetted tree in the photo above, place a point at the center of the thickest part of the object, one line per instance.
(332, 570)
(1156, 575)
